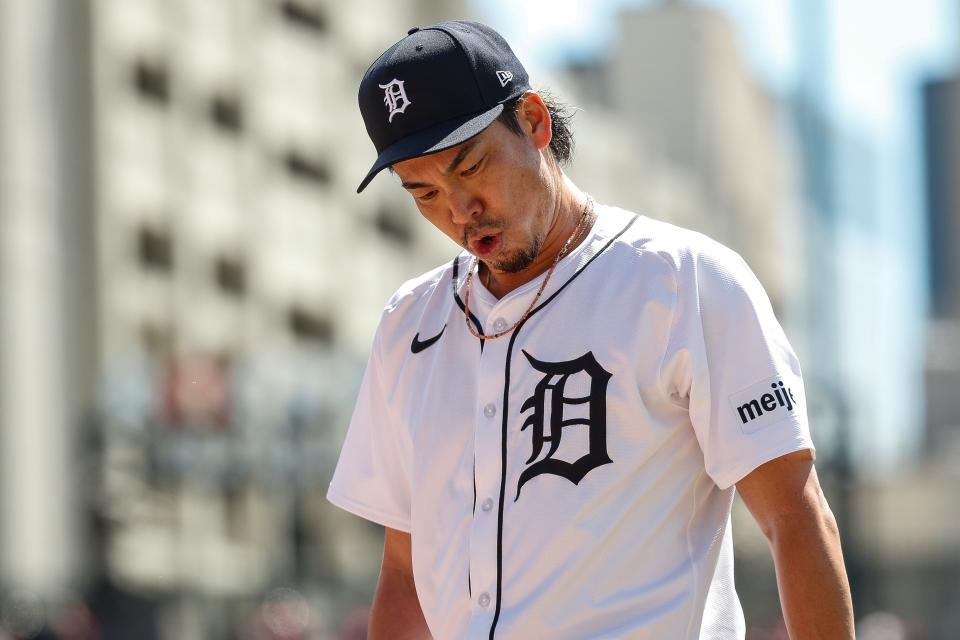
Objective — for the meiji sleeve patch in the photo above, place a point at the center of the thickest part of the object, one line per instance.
(766, 402)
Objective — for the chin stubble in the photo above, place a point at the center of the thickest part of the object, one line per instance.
(520, 259)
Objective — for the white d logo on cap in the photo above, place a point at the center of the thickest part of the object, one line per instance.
(395, 97)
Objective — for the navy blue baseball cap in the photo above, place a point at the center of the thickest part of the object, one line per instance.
(437, 87)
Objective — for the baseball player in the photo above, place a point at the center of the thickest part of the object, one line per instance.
(552, 425)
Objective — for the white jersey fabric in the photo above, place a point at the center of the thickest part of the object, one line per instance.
(574, 478)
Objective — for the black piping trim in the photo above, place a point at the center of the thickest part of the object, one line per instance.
(506, 398)
(503, 474)
(474, 514)
(584, 267)
(459, 301)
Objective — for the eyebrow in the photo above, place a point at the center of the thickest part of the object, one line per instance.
(461, 155)
(467, 148)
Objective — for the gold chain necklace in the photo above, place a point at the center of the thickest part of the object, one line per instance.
(587, 211)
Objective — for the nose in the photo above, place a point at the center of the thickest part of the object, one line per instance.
(464, 207)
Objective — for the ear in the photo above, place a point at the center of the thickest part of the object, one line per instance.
(534, 118)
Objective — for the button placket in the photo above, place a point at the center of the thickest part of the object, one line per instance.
(510, 308)
(487, 448)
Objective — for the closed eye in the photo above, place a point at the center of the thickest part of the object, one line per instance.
(472, 170)
(429, 195)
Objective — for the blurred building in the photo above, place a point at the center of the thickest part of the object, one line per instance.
(195, 285)
(48, 346)
(677, 73)
(864, 305)
(941, 100)
(241, 279)
(941, 123)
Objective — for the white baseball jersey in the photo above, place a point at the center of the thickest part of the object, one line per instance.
(574, 478)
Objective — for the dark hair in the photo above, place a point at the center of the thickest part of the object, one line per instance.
(561, 116)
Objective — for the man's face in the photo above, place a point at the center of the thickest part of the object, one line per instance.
(491, 194)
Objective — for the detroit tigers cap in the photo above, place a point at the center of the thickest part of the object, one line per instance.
(437, 87)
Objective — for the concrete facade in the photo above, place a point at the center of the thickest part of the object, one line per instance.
(677, 71)
(48, 327)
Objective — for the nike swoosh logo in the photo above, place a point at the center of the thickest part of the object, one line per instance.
(417, 346)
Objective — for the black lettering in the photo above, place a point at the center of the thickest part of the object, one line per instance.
(752, 408)
(768, 401)
(779, 395)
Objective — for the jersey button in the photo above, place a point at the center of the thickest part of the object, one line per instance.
(499, 325)
(487, 504)
(490, 410)
(484, 600)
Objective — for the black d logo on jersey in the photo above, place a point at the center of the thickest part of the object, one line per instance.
(549, 395)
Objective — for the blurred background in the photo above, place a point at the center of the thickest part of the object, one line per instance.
(189, 284)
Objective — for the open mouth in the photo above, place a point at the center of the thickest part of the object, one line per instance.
(485, 244)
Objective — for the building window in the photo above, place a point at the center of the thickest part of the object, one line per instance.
(235, 513)
(226, 113)
(394, 225)
(231, 275)
(304, 14)
(156, 340)
(309, 326)
(195, 391)
(151, 79)
(306, 168)
(155, 249)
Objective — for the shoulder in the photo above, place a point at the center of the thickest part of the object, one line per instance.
(427, 294)
(688, 255)
(420, 287)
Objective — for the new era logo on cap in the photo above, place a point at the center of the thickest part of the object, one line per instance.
(504, 77)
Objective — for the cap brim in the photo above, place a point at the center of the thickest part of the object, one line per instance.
(436, 138)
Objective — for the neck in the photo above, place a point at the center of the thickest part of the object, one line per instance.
(567, 211)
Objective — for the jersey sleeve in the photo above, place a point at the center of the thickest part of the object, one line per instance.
(372, 476)
(729, 362)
